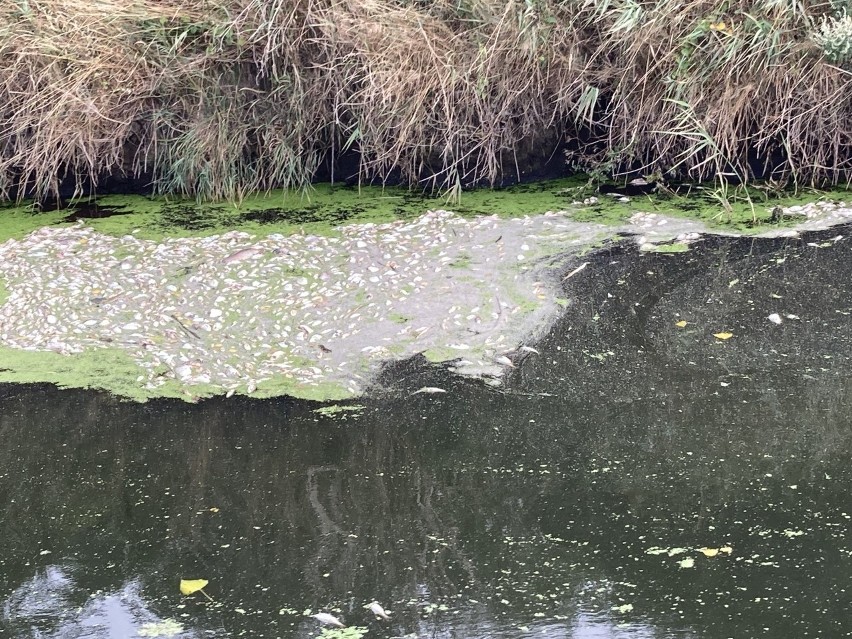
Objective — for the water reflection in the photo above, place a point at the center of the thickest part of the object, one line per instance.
(529, 511)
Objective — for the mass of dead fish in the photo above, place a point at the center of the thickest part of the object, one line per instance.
(228, 312)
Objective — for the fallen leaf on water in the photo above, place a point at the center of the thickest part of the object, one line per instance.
(680, 324)
(689, 562)
(213, 509)
(191, 586)
(709, 552)
(623, 608)
(726, 549)
(723, 335)
(775, 318)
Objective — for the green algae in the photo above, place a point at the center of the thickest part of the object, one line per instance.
(339, 410)
(441, 354)
(676, 247)
(280, 385)
(107, 369)
(19, 221)
(398, 318)
(114, 371)
(323, 207)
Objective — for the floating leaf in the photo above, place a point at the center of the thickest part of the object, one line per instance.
(726, 549)
(775, 318)
(723, 335)
(689, 562)
(680, 324)
(709, 552)
(190, 586)
(623, 608)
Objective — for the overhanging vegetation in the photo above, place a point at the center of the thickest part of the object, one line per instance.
(221, 98)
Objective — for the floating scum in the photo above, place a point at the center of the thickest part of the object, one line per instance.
(228, 98)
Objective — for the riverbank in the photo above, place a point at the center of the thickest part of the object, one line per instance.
(301, 313)
(224, 99)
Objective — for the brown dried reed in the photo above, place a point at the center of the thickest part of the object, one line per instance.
(223, 98)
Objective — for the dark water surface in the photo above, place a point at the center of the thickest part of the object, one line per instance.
(527, 511)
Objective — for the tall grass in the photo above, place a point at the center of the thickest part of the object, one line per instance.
(220, 98)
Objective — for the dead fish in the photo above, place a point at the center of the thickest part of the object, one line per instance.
(328, 620)
(504, 361)
(575, 271)
(242, 254)
(376, 608)
(429, 389)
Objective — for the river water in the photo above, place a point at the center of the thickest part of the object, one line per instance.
(634, 479)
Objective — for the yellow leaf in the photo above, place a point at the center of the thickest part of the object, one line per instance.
(214, 509)
(709, 552)
(189, 586)
(680, 324)
(726, 549)
(689, 562)
(720, 26)
(723, 335)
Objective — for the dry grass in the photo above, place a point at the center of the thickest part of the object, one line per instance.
(227, 97)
